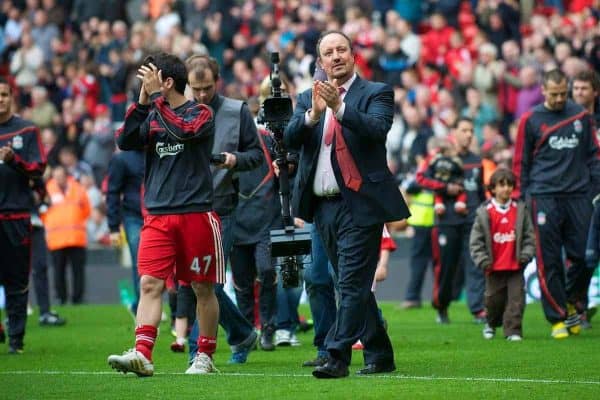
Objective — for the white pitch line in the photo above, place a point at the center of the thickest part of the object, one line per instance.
(275, 375)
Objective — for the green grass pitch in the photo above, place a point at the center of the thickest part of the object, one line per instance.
(433, 362)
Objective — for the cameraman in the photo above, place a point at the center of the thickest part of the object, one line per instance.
(235, 138)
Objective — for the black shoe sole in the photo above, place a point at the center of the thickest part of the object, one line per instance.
(324, 375)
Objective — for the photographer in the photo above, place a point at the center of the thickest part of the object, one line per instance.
(235, 139)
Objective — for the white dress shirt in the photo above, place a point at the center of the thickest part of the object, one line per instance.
(325, 183)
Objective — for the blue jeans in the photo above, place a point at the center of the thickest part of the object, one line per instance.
(287, 306)
(236, 327)
(319, 283)
(133, 225)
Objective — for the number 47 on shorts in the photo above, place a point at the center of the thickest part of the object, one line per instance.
(201, 269)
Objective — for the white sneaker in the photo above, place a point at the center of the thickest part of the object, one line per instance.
(201, 365)
(131, 361)
(294, 340)
(514, 338)
(488, 332)
(283, 337)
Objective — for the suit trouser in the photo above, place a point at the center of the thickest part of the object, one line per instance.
(15, 261)
(60, 258)
(39, 269)
(354, 252)
(505, 300)
(561, 222)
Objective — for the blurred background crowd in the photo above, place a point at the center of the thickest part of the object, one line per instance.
(73, 64)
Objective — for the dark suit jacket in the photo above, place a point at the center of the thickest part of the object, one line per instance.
(367, 119)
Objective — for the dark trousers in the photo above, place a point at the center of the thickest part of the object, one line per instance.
(474, 277)
(451, 256)
(247, 263)
(76, 257)
(237, 328)
(353, 252)
(561, 222)
(420, 259)
(318, 281)
(505, 300)
(39, 269)
(15, 261)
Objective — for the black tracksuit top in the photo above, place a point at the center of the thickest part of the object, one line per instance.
(178, 145)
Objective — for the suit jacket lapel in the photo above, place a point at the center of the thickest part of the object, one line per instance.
(354, 92)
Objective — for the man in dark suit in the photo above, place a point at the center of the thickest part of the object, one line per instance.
(344, 185)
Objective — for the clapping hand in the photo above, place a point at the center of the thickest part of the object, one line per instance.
(329, 93)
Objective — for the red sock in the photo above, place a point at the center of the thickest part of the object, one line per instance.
(207, 345)
(145, 336)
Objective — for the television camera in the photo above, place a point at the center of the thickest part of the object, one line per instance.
(290, 244)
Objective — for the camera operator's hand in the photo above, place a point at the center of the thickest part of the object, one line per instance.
(230, 161)
(318, 103)
(329, 93)
(298, 222)
(291, 168)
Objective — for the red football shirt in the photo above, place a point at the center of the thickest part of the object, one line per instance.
(503, 220)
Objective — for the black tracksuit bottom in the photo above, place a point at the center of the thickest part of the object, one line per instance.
(561, 222)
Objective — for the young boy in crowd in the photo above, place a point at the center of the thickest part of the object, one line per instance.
(502, 243)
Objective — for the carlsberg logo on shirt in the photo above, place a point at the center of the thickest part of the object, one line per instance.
(167, 149)
(561, 142)
(504, 237)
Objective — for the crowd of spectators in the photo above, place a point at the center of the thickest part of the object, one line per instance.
(73, 63)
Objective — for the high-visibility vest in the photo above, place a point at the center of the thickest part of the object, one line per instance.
(421, 209)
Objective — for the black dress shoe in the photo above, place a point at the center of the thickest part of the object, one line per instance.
(376, 369)
(331, 370)
(317, 362)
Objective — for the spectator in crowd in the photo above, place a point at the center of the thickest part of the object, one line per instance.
(585, 89)
(44, 33)
(26, 61)
(39, 258)
(21, 159)
(98, 142)
(97, 227)
(530, 92)
(67, 157)
(43, 112)
(558, 170)
(479, 112)
(65, 223)
(484, 75)
(502, 243)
